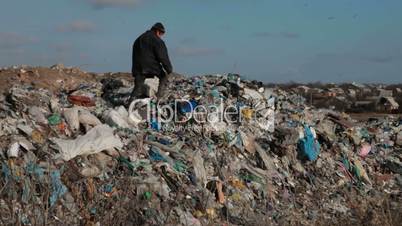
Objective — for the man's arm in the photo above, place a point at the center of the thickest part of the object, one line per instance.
(163, 57)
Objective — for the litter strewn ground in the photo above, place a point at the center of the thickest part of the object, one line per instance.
(71, 154)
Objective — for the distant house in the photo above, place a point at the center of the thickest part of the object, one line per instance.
(367, 91)
(373, 99)
(362, 103)
(302, 89)
(358, 85)
(363, 106)
(337, 90)
(330, 93)
(352, 93)
(332, 103)
(387, 104)
(385, 93)
(317, 90)
(398, 90)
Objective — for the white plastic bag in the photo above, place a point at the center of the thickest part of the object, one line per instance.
(114, 118)
(399, 139)
(86, 118)
(13, 150)
(253, 94)
(71, 116)
(137, 110)
(37, 115)
(96, 140)
(152, 86)
(199, 169)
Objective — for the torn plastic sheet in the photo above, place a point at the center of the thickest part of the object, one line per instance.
(96, 140)
(87, 118)
(37, 115)
(267, 122)
(6, 172)
(71, 116)
(308, 145)
(34, 169)
(399, 139)
(14, 149)
(365, 150)
(199, 169)
(115, 119)
(252, 94)
(152, 86)
(58, 188)
(136, 112)
(26, 191)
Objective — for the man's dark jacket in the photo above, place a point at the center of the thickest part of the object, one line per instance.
(149, 55)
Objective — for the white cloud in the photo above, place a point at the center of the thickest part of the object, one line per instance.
(379, 59)
(188, 41)
(11, 40)
(193, 51)
(100, 4)
(82, 26)
(284, 34)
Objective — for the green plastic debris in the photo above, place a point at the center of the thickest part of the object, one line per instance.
(147, 195)
(127, 163)
(133, 166)
(26, 191)
(93, 210)
(251, 178)
(346, 163)
(54, 119)
(180, 166)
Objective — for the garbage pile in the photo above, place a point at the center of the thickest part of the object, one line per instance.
(77, 156)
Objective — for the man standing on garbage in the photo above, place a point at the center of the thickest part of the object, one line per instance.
(150, 58)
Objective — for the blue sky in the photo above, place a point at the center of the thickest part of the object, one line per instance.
(268, 40)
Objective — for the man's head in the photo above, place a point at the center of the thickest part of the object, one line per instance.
(159, 29)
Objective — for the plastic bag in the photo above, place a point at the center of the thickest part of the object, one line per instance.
(58, 188)
(152, 86)
(308, 145)
(199, 169)
(96, 140)
(37, 115)
(115, 119)
(71, 116)
(86, 118)
(81, 101)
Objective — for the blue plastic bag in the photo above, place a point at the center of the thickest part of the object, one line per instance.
(58, 188)
(308, 146)
(187, 107)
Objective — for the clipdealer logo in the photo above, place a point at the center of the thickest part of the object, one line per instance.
(180, 111)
